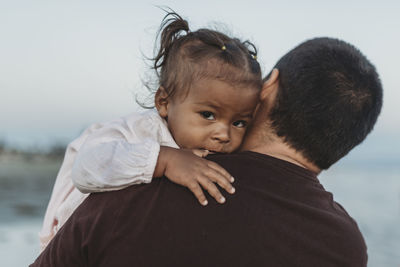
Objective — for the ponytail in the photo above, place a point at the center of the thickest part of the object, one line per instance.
(171, 30)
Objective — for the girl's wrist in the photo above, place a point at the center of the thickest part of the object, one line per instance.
(162, 161)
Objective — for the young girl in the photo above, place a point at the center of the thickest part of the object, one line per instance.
(208, 90)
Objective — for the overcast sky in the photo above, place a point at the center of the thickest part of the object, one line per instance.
(66, 64)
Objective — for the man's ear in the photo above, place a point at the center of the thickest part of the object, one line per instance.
(270, 86)
(162, 100)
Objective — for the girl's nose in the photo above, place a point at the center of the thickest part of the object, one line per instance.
(222, 134)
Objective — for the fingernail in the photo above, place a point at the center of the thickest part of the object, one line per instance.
(232, 179)
(222, 200)
(205, 202)
(233, 190)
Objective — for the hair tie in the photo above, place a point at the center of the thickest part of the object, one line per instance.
(223, 48)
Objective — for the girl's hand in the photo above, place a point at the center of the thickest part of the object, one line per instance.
(188, 168)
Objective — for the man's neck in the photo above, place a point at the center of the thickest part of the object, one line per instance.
(275, 147)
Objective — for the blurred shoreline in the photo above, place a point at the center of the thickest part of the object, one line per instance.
(26, 181)
(53, 152)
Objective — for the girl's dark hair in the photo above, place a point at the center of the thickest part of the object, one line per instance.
(184, 57)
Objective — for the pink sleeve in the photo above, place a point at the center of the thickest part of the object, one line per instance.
(62, 189)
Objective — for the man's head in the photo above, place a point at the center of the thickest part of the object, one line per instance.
(328, 99)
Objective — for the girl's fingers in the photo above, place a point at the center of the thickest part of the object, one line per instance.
(198, 192)
(200, 152)
(221, 180)
(221, 170)
(211, 188)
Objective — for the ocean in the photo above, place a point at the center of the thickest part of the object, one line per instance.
(370, 193)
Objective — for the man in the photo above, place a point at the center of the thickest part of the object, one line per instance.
(321, 100)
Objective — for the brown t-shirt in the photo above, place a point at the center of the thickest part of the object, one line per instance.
(280, 215)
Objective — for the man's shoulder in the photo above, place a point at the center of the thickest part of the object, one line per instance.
(291, 200)
(233, 159)
(262, 214)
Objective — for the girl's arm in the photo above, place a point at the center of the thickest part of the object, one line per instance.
(126, 152)
(120, 153)
(114, 165)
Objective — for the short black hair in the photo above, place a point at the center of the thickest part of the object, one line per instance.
(328, 100)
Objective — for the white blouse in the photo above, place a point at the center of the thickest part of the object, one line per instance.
(107, 156)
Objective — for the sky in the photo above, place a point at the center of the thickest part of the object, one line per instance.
(66, 64)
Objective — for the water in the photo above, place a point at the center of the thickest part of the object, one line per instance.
(372, 197)
(370, 194)
(19, 243)
(25, 188)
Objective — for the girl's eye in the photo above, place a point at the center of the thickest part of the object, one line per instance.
(207, 115)
(240, 124)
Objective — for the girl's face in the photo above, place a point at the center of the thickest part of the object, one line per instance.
(214, 115)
